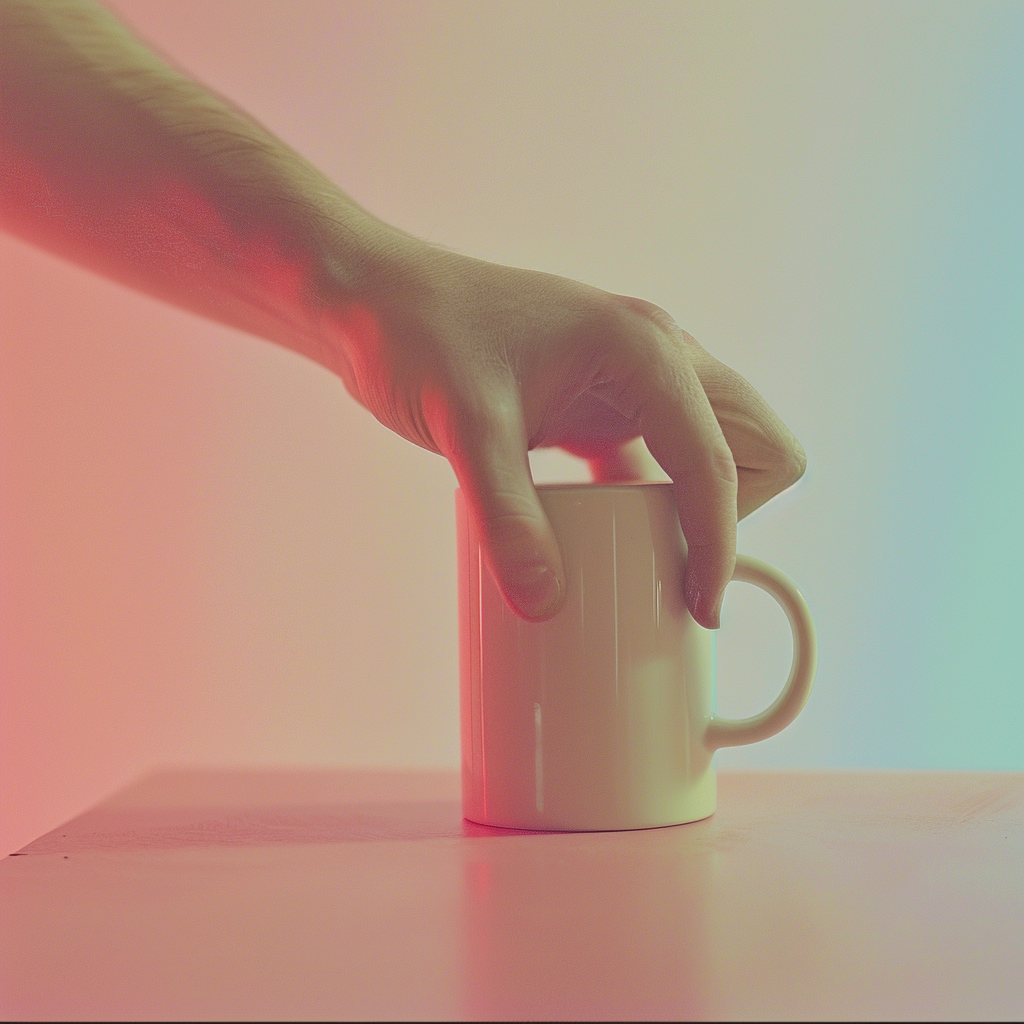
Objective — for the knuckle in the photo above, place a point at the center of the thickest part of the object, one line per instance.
(722, 469)
(605, 327)
(514, 529)
(663, 333)
(789, 463)
(716, 473)
(483, 407)
(505, 512)
(636, 329)
(797, 462)
(652, 313)
(478, 423)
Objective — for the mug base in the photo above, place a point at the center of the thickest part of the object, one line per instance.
(666, 803)
(554, 829)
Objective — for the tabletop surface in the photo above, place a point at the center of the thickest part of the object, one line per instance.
(329, 894)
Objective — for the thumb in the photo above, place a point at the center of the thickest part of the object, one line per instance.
(488, 451)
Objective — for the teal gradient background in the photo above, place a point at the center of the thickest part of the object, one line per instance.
(212, 555)
(948, 644)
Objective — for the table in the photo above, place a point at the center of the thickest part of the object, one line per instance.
(329, 894)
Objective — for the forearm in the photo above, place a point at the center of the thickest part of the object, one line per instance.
(116, 160)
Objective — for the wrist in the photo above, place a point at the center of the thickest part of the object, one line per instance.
(370, 280)
(295, 251)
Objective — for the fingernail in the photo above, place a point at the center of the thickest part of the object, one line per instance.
(708, 617)
(536, 591)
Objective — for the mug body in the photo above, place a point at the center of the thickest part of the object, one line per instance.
(594, 719)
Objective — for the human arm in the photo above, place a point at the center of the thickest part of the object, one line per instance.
(113, 158)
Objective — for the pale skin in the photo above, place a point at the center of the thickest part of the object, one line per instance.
(113, 158)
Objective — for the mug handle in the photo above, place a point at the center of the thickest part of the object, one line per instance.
(734, 732)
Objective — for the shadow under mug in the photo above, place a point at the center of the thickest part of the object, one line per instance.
(600, 718)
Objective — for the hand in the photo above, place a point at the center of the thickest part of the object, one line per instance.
(481, 363)
(178, 193)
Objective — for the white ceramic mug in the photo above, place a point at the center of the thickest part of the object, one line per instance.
(601, 718)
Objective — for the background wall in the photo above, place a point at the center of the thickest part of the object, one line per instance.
(211, 554)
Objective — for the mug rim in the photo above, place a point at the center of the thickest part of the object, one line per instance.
(610, 485)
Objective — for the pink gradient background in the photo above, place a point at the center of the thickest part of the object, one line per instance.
(212, 555)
